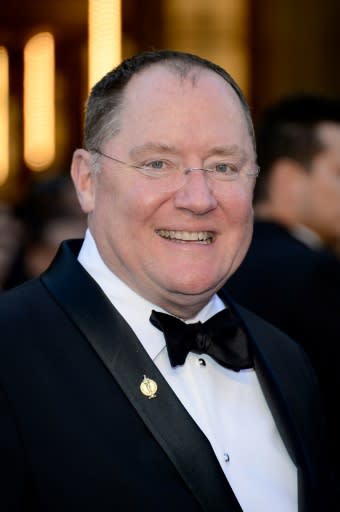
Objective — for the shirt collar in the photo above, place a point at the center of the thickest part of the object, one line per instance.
(307, 236)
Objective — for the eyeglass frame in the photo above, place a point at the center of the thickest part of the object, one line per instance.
(209, 172)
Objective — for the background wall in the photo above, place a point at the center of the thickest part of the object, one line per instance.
(295, 47)
(271, 48)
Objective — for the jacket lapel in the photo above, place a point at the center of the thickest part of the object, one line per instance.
(124, 356)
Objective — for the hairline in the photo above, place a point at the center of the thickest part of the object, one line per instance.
(183, 66)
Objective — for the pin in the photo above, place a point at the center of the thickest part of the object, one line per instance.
(148, 387)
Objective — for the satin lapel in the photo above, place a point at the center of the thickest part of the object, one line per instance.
(122, 354)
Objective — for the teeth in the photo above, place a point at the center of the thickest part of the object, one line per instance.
(187, 236)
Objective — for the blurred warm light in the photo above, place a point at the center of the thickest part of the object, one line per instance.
(105, 46)
(4, 115)
(39, 105)
(217, 30)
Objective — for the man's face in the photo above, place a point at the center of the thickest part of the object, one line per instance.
(320, 204)
(150, 234)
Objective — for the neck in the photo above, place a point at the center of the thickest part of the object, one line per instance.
(268, 212)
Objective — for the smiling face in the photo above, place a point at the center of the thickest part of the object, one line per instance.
(173, 243)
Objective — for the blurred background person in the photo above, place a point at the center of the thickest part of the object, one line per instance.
(291, 274)
(10, 239)
(49, 213)
(337, 247)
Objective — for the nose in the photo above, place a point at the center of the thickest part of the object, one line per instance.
(196, 194)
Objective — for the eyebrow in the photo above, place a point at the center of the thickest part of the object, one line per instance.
(152, 146)
(227, 150)
(220, 151)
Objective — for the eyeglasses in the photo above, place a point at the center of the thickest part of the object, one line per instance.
(163, 169)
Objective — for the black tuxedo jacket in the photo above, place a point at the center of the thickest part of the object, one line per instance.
(76, 433)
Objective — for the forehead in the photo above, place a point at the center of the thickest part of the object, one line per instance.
(159, 81)
(201, 103)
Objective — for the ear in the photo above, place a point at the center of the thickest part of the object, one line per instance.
(83, 178)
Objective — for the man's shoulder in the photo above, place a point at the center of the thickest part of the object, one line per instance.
(19, 293)
(22, 307)
(272, 234)
(275, 244)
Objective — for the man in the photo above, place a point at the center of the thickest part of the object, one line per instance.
(10, 237)
(290, 275)
(97, 412)
(49, 213)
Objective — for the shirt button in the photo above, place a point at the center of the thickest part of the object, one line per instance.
(226, 457)
(201, 362)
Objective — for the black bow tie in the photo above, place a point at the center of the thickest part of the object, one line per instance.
(221, 337)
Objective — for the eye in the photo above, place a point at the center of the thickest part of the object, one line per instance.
(155, 164)
(225, 168)
(158, 166)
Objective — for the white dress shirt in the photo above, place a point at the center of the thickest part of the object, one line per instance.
(229, 407)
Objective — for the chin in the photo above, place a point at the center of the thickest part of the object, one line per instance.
(195, 286)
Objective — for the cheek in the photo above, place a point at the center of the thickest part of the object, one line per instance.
(325, 183)
(238, 206)
(127, 205)
(239, 216)
(323, 198)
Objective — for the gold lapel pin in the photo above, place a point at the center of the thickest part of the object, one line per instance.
(148, 387)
